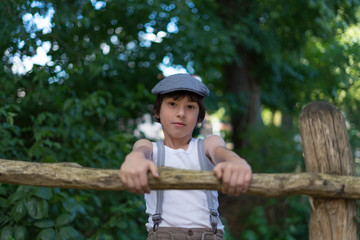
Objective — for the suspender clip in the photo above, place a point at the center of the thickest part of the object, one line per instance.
(156, 219)
(213, 220)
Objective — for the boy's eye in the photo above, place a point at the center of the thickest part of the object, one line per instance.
(171, 103)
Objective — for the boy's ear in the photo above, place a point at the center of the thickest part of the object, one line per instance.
(157, 117)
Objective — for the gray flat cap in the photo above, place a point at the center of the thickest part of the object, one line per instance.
(178, 82)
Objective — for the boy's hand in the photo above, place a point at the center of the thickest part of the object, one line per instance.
(234, 171)
(235, 174)
(134, 170)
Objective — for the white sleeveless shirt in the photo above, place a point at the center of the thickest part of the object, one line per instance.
(182, 208)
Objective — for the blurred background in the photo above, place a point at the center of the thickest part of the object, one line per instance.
(75, 83)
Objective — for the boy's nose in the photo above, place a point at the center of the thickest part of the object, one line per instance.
(181, 112)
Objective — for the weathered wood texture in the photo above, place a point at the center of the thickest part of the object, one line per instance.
(66, 175)
(327, 150)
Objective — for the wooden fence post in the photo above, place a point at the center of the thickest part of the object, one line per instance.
(327, 150)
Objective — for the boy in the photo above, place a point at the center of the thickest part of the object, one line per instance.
(183, 214)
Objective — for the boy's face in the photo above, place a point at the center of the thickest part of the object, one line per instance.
(178, 117)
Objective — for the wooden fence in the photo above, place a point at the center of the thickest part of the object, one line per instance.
(329, 182)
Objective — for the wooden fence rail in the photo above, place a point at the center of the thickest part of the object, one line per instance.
(68, 175)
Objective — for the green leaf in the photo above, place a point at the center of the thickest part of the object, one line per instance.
(2, 191)
(16, 196)
(250, 235)
(46, 234)
(68, 104)
(6, 232)
(69, 233)
(60, 236)
(24, 189)
(64, 219)
(43, 193)
(37, 208)
(45, 223)
(3, 202)
(72, 206)
(18, 211)
(4, 219)
(20, 232)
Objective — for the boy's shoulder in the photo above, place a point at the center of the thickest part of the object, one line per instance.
(214, 140)
(143, 143)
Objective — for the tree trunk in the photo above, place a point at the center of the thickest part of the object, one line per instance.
(242, 90)
(242, 87)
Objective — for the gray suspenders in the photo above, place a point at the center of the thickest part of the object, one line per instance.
(160, 193)
(205, 165)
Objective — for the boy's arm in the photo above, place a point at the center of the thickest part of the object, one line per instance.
(135, 168)
(234, 171)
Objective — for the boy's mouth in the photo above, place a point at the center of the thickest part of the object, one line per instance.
(179, 124)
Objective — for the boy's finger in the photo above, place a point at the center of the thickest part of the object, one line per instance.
(137, 186)
(226, 176)
(247, 181)
(235, 185)
(143, 182)
(130, 185)
(218, 171)
(123, 179)
(154, 170)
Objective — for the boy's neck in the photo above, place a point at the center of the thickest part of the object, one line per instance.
(177, 143)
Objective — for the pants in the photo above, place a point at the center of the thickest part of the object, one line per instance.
(173, 233)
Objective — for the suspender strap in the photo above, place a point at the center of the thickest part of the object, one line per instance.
(205, 166)
(160, 193)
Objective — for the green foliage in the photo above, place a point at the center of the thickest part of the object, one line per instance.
(28, 208)
(61, 136)
(271, 149)
(281, 219)
(84, 104)
(84, 116)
